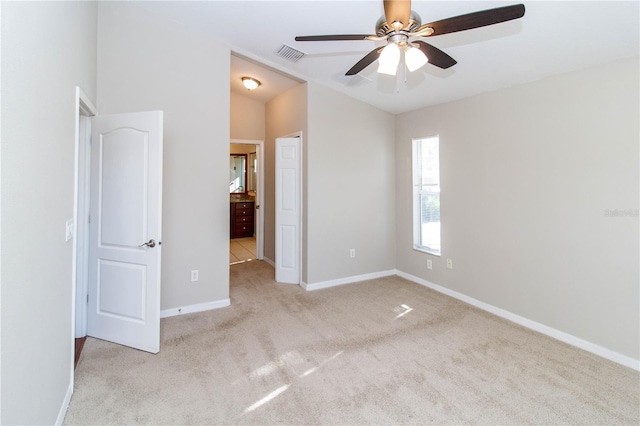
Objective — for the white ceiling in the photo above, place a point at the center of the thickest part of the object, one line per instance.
(553, 37)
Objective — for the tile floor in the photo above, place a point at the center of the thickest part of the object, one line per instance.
(241, 249)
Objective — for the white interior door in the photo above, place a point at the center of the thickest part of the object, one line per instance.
(125, 229)
(288, 210)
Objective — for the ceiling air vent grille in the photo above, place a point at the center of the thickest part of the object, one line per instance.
(289, 53)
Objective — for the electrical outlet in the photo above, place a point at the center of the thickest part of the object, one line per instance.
(194, 275)
(352, 253)
(449, 264)
(429, 264)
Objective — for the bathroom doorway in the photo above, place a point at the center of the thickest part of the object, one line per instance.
(246, 198)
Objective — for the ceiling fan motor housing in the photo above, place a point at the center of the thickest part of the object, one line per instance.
(401, 39)
(384, 28)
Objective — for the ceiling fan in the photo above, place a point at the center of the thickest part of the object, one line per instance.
(400, 27)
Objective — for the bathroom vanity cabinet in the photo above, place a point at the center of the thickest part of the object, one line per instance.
(242, 219)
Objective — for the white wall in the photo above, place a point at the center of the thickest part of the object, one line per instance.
(47, 49)
(350, 186)
(148, 62)
(285, 114)
(241, 148)
(247, 118)
(527, 176)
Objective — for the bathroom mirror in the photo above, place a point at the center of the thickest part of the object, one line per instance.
(252, 171)
(238, 174)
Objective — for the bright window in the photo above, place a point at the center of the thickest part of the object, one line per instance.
(426, 195)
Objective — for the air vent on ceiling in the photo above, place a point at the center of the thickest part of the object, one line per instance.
(289, 53)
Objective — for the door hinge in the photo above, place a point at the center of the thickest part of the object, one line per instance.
(89, 218)
(87, 298)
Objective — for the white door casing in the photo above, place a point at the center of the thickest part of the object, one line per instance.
(288, 210)
(85, 110)
(126, 213)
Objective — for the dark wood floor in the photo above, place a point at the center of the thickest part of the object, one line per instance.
(79, 346)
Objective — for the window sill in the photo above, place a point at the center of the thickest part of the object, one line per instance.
(427, 250)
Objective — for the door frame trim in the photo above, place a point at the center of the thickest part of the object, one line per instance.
(80, 248)
(84, 110)
(260, 199)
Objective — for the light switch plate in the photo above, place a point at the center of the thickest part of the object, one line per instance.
(68, 233)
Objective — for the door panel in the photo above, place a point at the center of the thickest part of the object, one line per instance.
(288, 260)
(126, 212)
(288, 186)
(124, 153)
(121, 290)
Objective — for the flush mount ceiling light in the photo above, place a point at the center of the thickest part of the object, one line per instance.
(250, 83)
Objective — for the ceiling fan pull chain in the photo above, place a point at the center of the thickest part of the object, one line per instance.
(404, 70)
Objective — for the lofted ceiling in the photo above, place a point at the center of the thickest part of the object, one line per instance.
(553, 37)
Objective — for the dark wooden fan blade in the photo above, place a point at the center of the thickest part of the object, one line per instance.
(475, 20)
(338, 37)
(366, 61)
(436, 56)
(397, 10)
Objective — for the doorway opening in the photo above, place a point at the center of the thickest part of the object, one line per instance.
(84, 111)
(246, 198)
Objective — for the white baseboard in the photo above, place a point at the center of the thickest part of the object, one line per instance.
(200, 307)
(347, 280)
(530, 324)
(269, 261)
(65, 405)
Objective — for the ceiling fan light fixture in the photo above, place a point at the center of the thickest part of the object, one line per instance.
(400, 24)
(389, 59)
(414, 58)
(250, 83)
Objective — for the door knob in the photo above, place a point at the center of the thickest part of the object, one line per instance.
(150, 243)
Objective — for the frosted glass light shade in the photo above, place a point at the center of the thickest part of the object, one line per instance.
(414, 58)
(250, 83)
(389, 59)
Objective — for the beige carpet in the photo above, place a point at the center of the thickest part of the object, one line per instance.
(385, 351)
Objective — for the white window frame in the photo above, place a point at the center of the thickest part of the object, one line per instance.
(417, 192)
